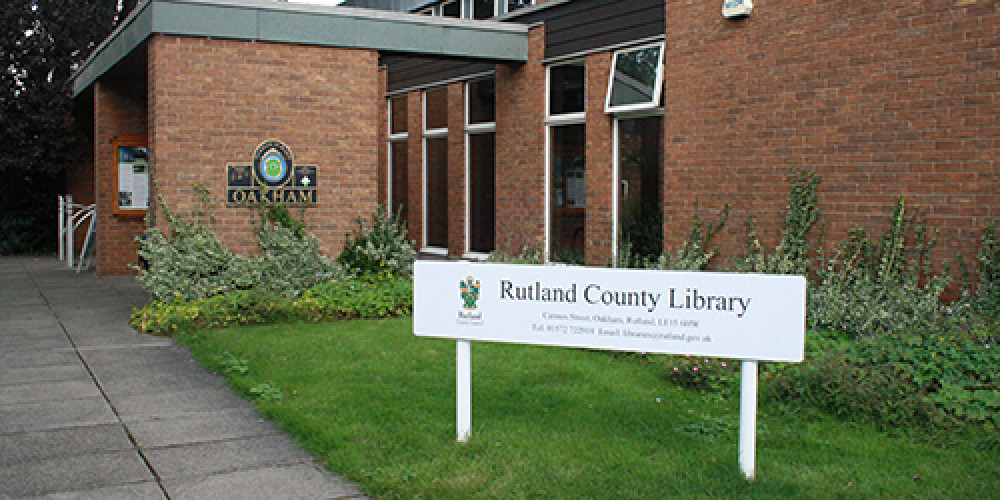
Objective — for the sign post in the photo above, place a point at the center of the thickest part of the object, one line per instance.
(752, 317)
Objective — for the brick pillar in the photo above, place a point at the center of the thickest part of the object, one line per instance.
(600, 171)
(456, 170)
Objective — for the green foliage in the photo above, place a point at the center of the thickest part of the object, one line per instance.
(190, 263)
(380, 247)
(792, 254)
(229, 364)
(986, 300)
(370, 297)
(869, 289)
(524, 253)
(694, 254)
(910, 379)
(641, 232)
(708, 374)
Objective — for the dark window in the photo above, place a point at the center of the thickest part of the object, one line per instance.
(568, 194)
(482, 9)
(482, 193)
(451, 9)
(640, 198)
(566, 92)
(437, 192)
(482, 101)
(398, 169)
(397, 106)
(436, 108)
(513, 5)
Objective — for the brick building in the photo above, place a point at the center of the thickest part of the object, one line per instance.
(492, 123)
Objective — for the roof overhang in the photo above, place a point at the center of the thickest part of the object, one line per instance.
(283, 22)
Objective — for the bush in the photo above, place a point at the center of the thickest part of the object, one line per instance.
(192, 264)
(912, 379)
(381, 247)
(869, 289)
(373, 297)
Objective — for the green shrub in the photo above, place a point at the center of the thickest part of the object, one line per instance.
(289, 263)
(694, 254)
(986, 300)
(371, 297)
(869, 289)
(911, 379)
(191, 263)
(380, 247)
(708, 374)
(523, 254)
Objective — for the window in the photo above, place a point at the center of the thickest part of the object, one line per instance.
(481, 167)
(451, 9)
(636, 79)
(483, 9)
(436, 170)
(567, 172)
(638, 199)
(398, 182)
(513, 5)
(566, 90)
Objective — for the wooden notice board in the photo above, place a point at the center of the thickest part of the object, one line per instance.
(131, 175)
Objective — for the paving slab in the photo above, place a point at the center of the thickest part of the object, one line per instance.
(293, 482)
(24, 417)
(201, 428)
(165, 404)
(140, 491)
(37, 359)
(75, 472)
(34, 446)
(35, 392)
(43, 373)
(201, 459)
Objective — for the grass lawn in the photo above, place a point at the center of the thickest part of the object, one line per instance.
(377, 404)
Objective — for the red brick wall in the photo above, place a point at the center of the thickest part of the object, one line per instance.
(599, 159)
(119, 109)
(520, 145)
(456, 169)
(213, 101)
(882, 99)
(415, 168)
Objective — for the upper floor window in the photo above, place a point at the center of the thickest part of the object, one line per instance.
(483, 9)
(513, 5)
(566, 88)
(636, 79)
(482, 101)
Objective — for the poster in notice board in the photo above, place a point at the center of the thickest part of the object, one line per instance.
(131, 176)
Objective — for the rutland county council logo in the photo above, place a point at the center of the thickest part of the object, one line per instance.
(470, 293)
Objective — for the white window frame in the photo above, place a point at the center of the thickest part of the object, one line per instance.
(657, 84)
(392, 139)
(506, 6)
(551, 122)
(470, 130)
(437, 133)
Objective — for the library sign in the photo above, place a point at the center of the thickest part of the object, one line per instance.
(272, 177)
(743, 316)
(751, 317)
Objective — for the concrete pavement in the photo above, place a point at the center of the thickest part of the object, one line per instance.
(89, 408)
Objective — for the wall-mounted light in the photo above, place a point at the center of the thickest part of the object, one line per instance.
(736, 8)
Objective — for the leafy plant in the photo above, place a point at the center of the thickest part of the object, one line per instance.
(381, 246)
(694, 254)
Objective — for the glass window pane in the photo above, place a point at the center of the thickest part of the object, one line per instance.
(482, 9)
(482, 101)
(566, 92)
(398, 170)
(437, 192)
(513, 5)
(568, 195)
(397, 107)
(482, 193)
(436, 109)
(453, 9)
(634, 77)
(640, 209)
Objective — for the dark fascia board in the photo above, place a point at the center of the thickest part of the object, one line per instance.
(269, 21)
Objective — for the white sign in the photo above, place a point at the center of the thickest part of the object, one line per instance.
(742, 316)
(736, 8)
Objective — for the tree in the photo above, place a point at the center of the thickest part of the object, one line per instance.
(42, 43)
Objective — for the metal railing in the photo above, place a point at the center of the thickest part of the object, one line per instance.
(71, 217)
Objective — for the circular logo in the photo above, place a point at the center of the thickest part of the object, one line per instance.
(272, 163)
(273, 167)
